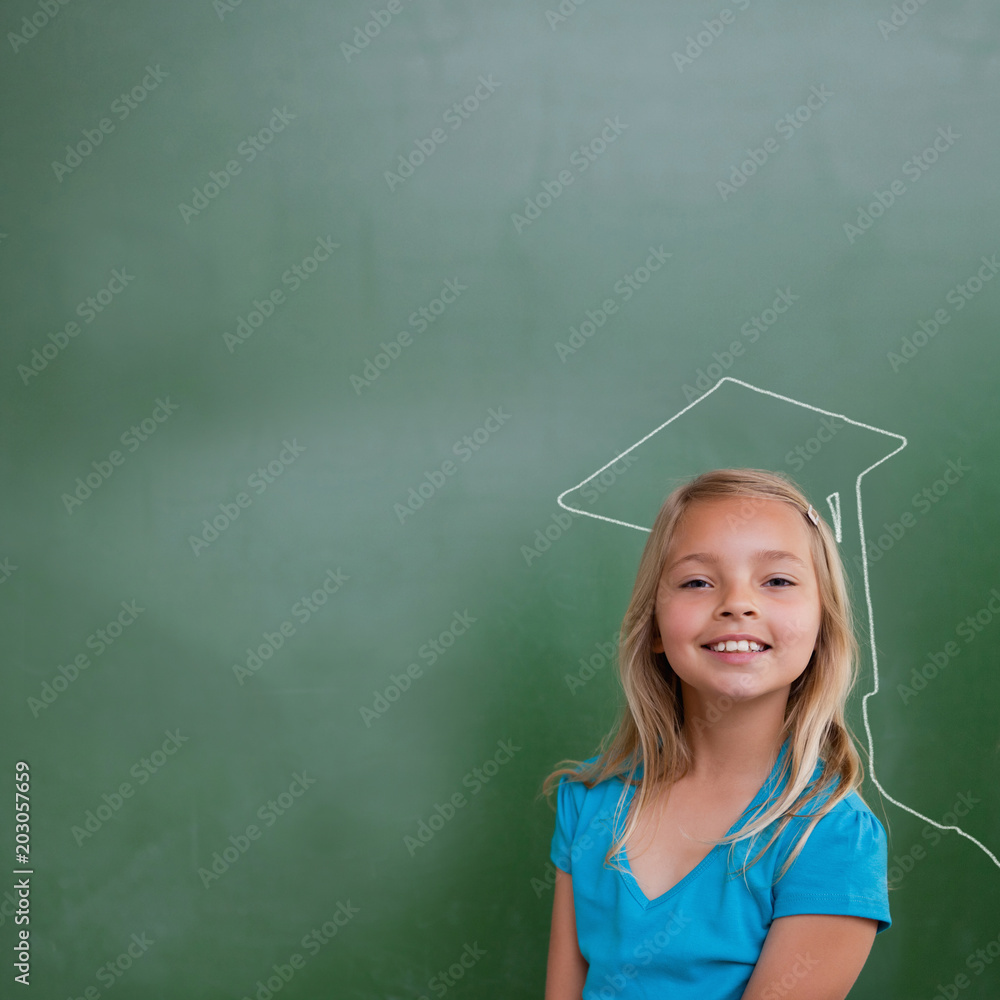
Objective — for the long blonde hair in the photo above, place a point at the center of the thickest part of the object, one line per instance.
(650, 730)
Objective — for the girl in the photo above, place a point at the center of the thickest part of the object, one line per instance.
(737, 654)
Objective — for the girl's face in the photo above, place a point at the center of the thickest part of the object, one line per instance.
(738, 566)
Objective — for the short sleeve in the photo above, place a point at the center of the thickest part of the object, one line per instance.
(841, 869)
(567, 820)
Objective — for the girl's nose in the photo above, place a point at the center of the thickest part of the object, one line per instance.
(737, 599)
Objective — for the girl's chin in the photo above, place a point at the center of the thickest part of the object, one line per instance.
(732, 690)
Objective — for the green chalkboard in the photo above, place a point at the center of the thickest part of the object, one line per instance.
(314, 311)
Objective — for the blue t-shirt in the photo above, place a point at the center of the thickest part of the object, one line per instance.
(702, 938)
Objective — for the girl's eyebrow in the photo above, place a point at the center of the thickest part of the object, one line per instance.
(764, 555)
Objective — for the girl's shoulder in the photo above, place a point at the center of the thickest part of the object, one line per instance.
(849, 822)
(579, 792)
(584, 809)
(587, 764)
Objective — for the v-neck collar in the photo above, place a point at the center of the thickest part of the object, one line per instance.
(622, 858)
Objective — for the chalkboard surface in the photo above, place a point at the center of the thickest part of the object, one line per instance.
(318, 321)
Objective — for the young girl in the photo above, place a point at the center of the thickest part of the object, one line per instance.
(737, 654)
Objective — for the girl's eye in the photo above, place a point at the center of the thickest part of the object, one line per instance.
(688, 584)
(781, 579)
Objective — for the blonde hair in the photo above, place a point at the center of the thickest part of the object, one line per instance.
(650, 729)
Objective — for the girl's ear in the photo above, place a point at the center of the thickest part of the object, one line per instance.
(657, 644)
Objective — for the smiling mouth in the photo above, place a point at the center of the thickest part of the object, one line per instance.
(736, 646)
(737, 657)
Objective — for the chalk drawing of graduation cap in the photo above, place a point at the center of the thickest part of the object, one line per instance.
(739, 425)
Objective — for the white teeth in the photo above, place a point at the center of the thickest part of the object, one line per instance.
(735, 645)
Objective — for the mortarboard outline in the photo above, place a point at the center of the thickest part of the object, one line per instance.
(834, 503)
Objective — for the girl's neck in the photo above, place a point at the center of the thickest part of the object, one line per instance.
(733, 754)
